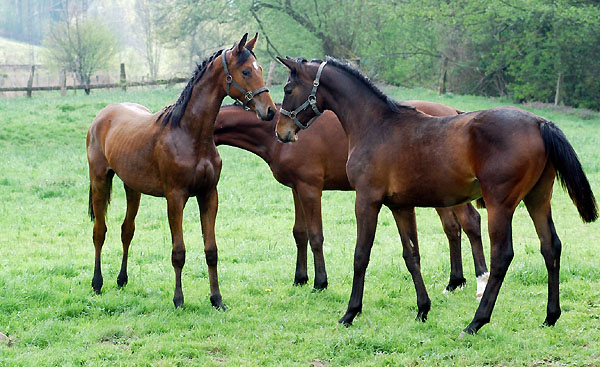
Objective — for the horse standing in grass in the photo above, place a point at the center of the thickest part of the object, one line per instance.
(317, 162)
(172, 154)
(402, 158)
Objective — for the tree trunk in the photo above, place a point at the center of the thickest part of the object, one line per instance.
(270, 74)
(443, 76)
(123, 77)
(63, 82)
(558, 96)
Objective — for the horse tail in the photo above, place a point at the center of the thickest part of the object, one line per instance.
(108, 182)
(569, 171)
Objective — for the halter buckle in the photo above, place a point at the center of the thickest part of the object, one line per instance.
(228, 78)
(312, 99)
(292, 114)
(316, 83)
(249, 96)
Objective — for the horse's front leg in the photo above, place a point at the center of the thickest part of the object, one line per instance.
(175, 203)
(407, 227)
(301, 237)
(208, 214)
(367, 211)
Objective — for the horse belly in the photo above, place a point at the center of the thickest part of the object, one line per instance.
(437, 194)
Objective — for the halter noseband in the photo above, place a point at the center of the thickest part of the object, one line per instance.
(311, 100)
(247, 94)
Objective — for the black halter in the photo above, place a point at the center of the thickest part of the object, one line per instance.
(247, 94)
(311, 100)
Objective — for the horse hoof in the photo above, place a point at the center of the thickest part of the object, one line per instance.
(321, 285)
(421, 316)
(453, 284)
(178, 301)
(217, 302)
(299, 281)
(97, 285)
(347, 319)
(467, 331)
(122, 280)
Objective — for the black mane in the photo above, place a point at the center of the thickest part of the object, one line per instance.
(394, 105)
(173, 113)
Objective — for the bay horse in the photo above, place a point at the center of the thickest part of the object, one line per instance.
(317, 162)
(171, 154)
(402, 158)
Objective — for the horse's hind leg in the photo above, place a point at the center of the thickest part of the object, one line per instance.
(100, 183)
(127, 230)
(452, 229)
(301, 237)
(407, 226)
(500, 230)
(538, 205)
(208, 213)
(470, 220)
(310, 197)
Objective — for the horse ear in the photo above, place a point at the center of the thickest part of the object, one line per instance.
(252, 42)
(287, 62)
(240, 45)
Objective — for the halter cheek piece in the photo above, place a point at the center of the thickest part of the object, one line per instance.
(311, 100)
(247, 94)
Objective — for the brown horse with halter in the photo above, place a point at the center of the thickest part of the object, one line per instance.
(317, 162)
(172, 154)
(402, 158)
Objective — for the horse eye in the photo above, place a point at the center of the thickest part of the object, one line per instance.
(288, 91)
(246, 72)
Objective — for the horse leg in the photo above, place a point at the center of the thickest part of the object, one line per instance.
(470, 220)
(175, 205)
(208, 213)
(452, 230)
(100, 185)
(500, 230)
(366, 211)
(301, 238)
(538, 205)
(310, 198)
(127, 230)
(407, 227)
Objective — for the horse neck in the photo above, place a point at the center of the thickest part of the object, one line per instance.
(204, 104)
(242, 129)
(355, 105)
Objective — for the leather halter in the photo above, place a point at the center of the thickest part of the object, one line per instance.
(247, 94)
(310, 101)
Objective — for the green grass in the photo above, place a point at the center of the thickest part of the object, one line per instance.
(52, 317)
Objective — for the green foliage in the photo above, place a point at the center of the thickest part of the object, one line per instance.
(49, 311)
(82, 46)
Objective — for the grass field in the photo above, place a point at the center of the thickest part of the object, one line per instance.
(52, 317)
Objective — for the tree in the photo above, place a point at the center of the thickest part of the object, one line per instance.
(81, 46)
(146, 16)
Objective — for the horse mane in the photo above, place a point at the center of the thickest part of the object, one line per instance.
(357, 74)
(174, 112)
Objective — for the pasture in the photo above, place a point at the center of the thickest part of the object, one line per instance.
(52, 317)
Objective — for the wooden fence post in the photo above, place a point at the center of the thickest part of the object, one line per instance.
(30, 81)
(123, 77)
(270, 74)
(63, 82)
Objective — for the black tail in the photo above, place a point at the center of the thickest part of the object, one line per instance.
(109, 177)
(569, 171)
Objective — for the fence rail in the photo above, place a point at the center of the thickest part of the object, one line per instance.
(123, 83)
